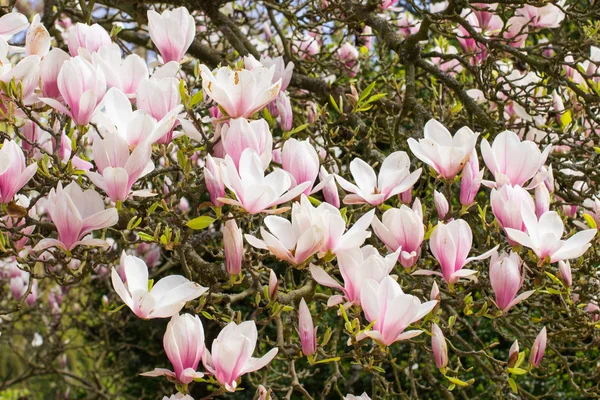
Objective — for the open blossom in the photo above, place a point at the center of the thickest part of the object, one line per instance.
(392, 311)
(166, 297)
(135, 127)
(26, 74)
(184, 344)
(306, 329)
(500, 156)
(37, 40)
(283, 71)
(506, 280)
(306, 47)
(124, 74)
(450, 244)
(172, 32)
(445, 153)
(439, 346)
(232, 354)
(363, 396)
(538, 349)
(118, 169)
(548, 16)
(240, 134)
(159, 97)
(300, 159)
(507, 203)
(357, 266)
(407, 24)
(348, 55)
(76, 213)
(402, 228)
(213, 178)
(394, 178)
(50, 67)
(470, 180)
(544, 236)
(453, 65)
(14, 172)
(254, 191)
(88, 37)
(233, 243)
(241, 93)
(82, 87)
(11, 23)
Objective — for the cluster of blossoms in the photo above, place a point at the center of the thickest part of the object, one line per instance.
(110, 121)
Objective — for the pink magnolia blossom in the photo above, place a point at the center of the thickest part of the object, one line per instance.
(82, 86)
(240, 134)
(213, 178)
(283, 71)
(26, 74)
(394, 178)
(330, 190)
(453, 65)
(300, 159)
(233, 243)
(506, 147)
(284, 111)
(76, 213)
(232, 354)
(363, 396)
(538, 349)
(37, 40)
(348, 55)
(408, 24)
(124, 74)
(513, 354)
(14, 172)
(357, 266)
(273, 285)
(483, 18)
(564, 273)
(184, 344)
(470, 180)
(548, 16)
(166, 297)
(90, 38)
(450, 244)
(241, 93)
(518, 28)
(542, 200)
(12, 23)
(507, 203)
(118, 169)
(441, 204)
(439, 346)
(506, 280)
(254, 191)
(402, 229)
(50, 67)
(544, 236)
(306, 330)
(392, 311)
(159, 97)
(446, 154)
(172, 32)
(306, 47)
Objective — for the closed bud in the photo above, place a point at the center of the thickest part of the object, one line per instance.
(273, 285)
(234, 247)
(542, 200)
(284, 108)
(441, 204)
(538, 349)
(406, 196)
(470, 180)
(435, 292)
(439, 346)
(564, 270)
(513, 354)
(306, 329)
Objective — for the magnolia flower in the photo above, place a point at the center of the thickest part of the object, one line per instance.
(363, 396)
(441, 204)
(506, 147)
(124, 74)
(564, 273)
(439, 346)
(408, 24)
(254, 191)
(233, 243)
(330, 190)
(283, 71)
(506, 280)
(172, 32)
(135, 127)
(284, 111)
(544, 236)
(90, 38)
(300, 159)
(50, 67)
(306, 330)
(11, 23)
(507, 203)
(357, 266)
(548, 16)
(392, 311)
(160, 98)
(306, 47)
(184, 344)
(447, 155)
(37, 40)
(470, 180)
(240, 134)
(76, 213)
(118, 170)
(538, 349)
(450, 244)
(241, 93)
(273, 285)
(232, 354)
(513, 354)
(542, 200)
(26, 75)
(213, 178)
(14, 172)
(163, 300)
(402, 229)
(82, 86)
(394, 178)
(348, 55)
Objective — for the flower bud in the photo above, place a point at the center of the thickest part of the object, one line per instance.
(330, 190)
(513, 354)
(435, 292)
(439, 346)
(406, 196)
(564, 271)
(542, 200)
(214, 180)
(284, 107)
(273, 285)
(538, 349)
(234, 247)
(441, 204)
(306, 329)
(470, 180)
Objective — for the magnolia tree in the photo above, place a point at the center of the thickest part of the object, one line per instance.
(299, 199)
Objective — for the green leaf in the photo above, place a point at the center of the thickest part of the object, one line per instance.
(554, 278)
(334, 104)
(145, 237)
(295, 130)
(366, 92)
(376, 97)
(513, 385)
(201, 222)
(517, 371)
(520, 359)
(565, 119)
(196, 98)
